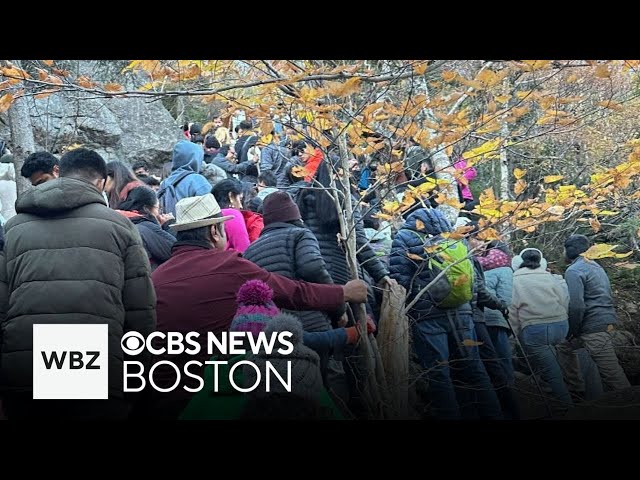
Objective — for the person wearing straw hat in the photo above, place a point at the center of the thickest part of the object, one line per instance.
(197, 286)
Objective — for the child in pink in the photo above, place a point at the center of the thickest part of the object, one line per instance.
(469, 173)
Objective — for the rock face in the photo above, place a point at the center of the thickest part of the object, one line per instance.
(126, 129)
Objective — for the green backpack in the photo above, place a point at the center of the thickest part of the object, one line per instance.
(460, 275)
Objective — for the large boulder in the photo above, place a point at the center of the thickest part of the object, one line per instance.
(126, 129)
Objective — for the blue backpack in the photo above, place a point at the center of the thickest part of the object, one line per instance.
(167, 195)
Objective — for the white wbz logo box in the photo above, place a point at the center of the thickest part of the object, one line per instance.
(70, 362)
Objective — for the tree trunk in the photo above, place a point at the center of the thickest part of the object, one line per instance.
(442, 165)
(21, 137)
(374, 389)
(504, 165)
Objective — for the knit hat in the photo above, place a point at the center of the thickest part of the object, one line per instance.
(255, 307)
(279, 207)
(306, 378)
(575, 245)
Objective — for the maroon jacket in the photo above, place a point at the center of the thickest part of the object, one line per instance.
(196, 289)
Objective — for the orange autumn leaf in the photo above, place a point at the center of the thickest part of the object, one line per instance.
(471, 343)
(595, 224)
(602, 71)
(113, 87)
(48, 63)
(5, 102)
(420, 225)
(415, 257)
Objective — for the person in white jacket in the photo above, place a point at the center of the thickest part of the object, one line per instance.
(539, 316)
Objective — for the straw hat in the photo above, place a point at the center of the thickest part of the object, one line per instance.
(196, 212)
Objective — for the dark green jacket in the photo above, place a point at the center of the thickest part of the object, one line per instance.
(68, 258)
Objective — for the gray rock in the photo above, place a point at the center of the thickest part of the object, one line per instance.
(126, 129)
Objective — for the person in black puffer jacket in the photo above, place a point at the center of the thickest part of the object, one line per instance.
(141, 207)
(320, 215)
(444, 338)
(286, 247)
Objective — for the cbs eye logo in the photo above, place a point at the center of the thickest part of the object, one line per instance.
(133, 343)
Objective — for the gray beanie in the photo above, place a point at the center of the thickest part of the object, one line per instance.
(575, 245)
(306, 378)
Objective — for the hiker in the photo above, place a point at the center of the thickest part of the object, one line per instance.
(185, 179)
(120, 181)
(142, 208)
(484, 301)
(538, 315)
(464, 190)
(443, 330)
(591, 320)
(79, 262)
(496, 264)
(288, 248)
(257, 313)
(202, 275)
(267, 183)
(229, 196)
(40, 167)
(221, 132)
(274, 159)
(140, 169)
(226, 160)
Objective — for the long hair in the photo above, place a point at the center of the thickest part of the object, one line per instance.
(121, 175)
(325, 206)
(141, 200)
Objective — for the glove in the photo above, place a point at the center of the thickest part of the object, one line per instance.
(352, 332)
(371, 326)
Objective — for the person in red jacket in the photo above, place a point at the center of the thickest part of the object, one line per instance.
(196, 290)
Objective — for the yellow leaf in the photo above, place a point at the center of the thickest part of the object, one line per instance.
(112, 87)
(62, 73)
(519, 173)
(48, 63)
(46, 93)
(467, 342)
(608, 213)
(84, 82)
(420, 225)
(611, 104)
(520, 187)
(420, 68)
(553, 178)
(602, 71)
(595, 224)
(300, 172)
(449, 76)
(5, 102)
(489, 149)
(488, 234)
(415, 257)
(572, 78)
(602, 250)
(502, 98)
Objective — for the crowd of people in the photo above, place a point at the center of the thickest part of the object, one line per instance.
(244, 234)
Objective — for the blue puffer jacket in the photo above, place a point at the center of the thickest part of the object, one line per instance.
(404, 269)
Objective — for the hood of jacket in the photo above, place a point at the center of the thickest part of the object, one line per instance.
(433, 220)
(187, 156)
(59, 195)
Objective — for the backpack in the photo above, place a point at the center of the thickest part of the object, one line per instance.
(459, 276)
(167, 195)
